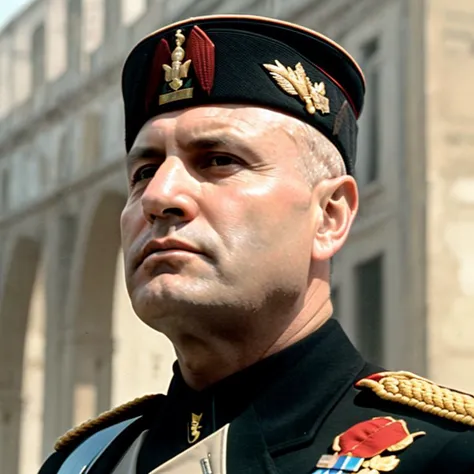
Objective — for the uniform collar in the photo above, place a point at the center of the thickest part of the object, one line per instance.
(291, 391)
(323, 367)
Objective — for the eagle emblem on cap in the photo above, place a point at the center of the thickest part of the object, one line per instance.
(196, 62)
(178, 70)
(296, 82)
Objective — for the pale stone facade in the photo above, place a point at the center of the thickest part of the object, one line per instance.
(450, 191)
(70, 345)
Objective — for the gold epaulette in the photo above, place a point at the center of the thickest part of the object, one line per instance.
(107, 418)
(423, 394)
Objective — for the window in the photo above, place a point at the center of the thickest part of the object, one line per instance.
(66, 156)
(369, 156)
(131, 10)
(92, 16)
(91, 140)
(38, 57)
(43, 173)
(5, 79)
(74, 38)
(369, 308)
(113, 14)
(33, 173)
(5, 191)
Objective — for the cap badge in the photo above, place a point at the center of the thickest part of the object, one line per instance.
(175, 73)
(296, 82)
(194, 428)
(360, 449)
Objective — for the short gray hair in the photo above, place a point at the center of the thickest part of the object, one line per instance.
(320, 157)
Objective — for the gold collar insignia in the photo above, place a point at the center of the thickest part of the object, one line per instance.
(194, 428)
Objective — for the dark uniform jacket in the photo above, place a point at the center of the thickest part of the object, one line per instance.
(280, 416)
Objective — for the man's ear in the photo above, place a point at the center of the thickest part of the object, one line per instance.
(338, 203)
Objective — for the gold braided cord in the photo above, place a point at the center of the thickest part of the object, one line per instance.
(420, 393)
(107, 417)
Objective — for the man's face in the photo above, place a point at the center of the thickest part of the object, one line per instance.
(218, 197)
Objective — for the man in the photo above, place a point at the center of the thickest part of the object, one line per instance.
(241, 133)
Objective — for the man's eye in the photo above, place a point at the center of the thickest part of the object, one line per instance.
(145, 172)
(221, 160)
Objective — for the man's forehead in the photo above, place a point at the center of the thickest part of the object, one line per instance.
(231, 119)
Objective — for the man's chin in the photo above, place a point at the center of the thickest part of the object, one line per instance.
(166, 293)
(160, 289)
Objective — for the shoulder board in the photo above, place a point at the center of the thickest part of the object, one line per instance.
(128, 410)
(423, 394)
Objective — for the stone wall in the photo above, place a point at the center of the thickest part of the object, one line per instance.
(450, 190)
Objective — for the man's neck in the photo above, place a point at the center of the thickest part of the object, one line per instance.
(207, 359)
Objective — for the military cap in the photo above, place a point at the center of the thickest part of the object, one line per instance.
(242, 59)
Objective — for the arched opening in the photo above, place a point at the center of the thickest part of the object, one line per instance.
(32, 391)
(93, 309)
(15, 299)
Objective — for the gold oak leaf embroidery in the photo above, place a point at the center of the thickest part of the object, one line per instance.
(296, 82)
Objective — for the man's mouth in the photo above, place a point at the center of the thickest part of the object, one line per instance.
(166, 247)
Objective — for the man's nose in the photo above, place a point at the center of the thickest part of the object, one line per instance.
(171, 193)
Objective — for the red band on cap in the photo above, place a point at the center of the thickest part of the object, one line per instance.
(201, 51)
(162, 56)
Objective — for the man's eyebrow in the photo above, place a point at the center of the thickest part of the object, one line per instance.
(144, 152)
(211, 142)
(202, 143)
(139, 153)
(205, 143)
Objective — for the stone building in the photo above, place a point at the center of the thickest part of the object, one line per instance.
(70, 345)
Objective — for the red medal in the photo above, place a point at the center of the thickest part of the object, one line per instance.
(365, 443)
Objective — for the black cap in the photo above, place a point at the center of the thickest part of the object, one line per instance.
(242, 59)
